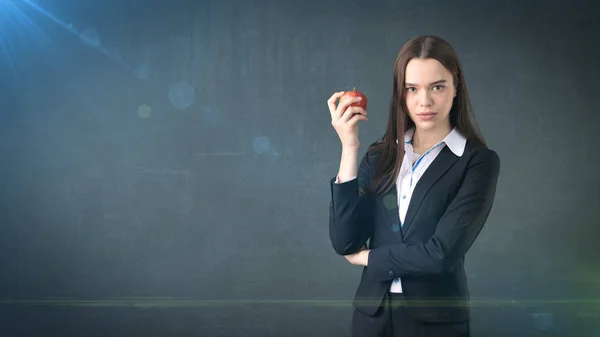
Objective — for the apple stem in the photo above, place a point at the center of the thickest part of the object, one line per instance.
(354, 89)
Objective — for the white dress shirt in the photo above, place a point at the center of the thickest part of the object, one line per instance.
(413, 167)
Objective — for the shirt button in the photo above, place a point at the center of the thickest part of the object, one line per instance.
(391, 273)
(404, 197)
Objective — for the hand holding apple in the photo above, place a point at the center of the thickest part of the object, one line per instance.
(346, 109)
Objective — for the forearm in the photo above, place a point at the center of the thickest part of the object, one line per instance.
(348, 165)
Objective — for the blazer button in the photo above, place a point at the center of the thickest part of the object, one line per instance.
(391, 273)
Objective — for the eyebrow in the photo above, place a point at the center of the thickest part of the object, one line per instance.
(432, 83)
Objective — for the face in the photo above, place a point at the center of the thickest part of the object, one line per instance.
(429, 93)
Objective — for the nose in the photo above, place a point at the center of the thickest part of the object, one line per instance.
(425, 99)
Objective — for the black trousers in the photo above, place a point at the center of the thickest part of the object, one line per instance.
(393, 320)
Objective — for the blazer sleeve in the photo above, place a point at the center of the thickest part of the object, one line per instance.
(351, 210)
(456, 230)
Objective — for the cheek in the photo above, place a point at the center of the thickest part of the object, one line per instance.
(444, 99)
(450, 99)
(411, 103)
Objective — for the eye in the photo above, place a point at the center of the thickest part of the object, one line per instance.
(440, 87)
(409, 89)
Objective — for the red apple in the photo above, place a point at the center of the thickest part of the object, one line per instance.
(362, 103)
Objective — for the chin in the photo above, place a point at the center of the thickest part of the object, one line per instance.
(426, 126)
(437, 122)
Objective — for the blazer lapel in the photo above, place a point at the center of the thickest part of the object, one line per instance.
(438, 167)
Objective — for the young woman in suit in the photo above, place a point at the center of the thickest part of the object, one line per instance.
(416, 203)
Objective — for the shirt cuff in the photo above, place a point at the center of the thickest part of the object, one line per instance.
(337, 179)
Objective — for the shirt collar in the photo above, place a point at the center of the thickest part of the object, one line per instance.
(455, 140)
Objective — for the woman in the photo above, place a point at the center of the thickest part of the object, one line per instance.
(420, 196)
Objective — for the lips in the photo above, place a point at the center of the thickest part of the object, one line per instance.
(426, 116)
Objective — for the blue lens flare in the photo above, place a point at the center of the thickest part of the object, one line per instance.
(19, 34)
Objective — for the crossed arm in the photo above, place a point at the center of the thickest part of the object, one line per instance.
(454, 235)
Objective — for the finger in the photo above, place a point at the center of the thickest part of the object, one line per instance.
(344, 103)
(331, 102)
(356, 118)
(352, 111)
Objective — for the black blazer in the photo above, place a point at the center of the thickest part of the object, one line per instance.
(448, 209)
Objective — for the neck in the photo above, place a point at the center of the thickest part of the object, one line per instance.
(425, 139)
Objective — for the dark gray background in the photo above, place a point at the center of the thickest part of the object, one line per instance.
(119, 222)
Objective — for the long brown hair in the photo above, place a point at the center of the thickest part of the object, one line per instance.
(461, 113)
